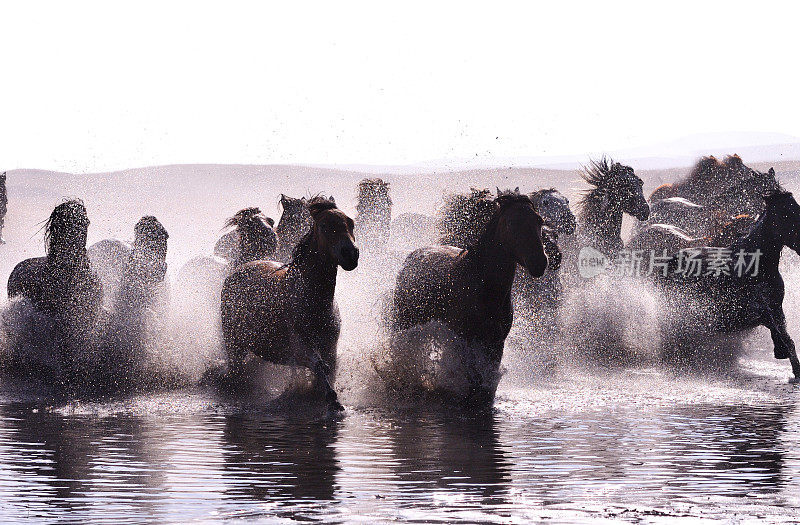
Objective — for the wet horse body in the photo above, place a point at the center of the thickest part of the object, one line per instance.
(67, 296)
(469, 290)
(739, 301)
(286, 314)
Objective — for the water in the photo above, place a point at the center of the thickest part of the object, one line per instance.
(633, 445)
(581, 430)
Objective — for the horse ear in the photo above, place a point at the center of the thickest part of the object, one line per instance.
(332, 199)
(498, 191)
(771, 172)
(270, 221)
(516, 190)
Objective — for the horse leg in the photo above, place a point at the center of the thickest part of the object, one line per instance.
(321, 372)
(784, 347)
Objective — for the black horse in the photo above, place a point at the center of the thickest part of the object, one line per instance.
(729, 290)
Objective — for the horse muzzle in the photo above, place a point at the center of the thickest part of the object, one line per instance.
(642, 212)
(348, 257)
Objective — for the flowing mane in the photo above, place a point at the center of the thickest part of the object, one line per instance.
(69, 216)
(242, 216)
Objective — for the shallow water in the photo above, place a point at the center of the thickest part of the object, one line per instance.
(632, 445)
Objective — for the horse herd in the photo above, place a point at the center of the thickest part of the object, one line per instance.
(274, 288)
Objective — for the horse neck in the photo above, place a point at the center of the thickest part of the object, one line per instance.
(67, 255)
(601, 218)
(491, 262)
(317, 274)
(761, 238)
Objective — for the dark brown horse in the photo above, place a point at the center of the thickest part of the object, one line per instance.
(469, 290)
(286, 314)
(295, 221)
(374, 215)
(736, 300)
(62, 283)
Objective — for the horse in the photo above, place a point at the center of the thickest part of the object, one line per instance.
(3, 205)
(62, 284)
(469, 290)
(204, 275)
(286, 314)
(373, 215)
(227, 246)
(616, 190)
(535, 294)
(295, 221)
(728, 187)
(133, 274)
(725, 299)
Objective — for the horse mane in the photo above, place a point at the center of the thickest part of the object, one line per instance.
(61, 219)
(316, 204)
(242, 216)
(503, 200)
(463, 214)
(536, 195)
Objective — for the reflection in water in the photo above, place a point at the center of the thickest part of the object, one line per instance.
(440, 452)
(280, 460)
(182, 458)
(78, 462)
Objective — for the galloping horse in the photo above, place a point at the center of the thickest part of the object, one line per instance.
(286, 314)
(733, 301)
(204, 275)
(62, 283)
(616, 190)
(469, 290)
(374, 215)
(132, 274)
(295, 221)
(227, 246)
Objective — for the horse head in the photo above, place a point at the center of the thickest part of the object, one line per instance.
(619, 185)
(66, 230)
(150, 249)
(332, 231)
(553, 208)
(518, 227)
(782, 218)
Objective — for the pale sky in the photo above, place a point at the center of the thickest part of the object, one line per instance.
(93, 86)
